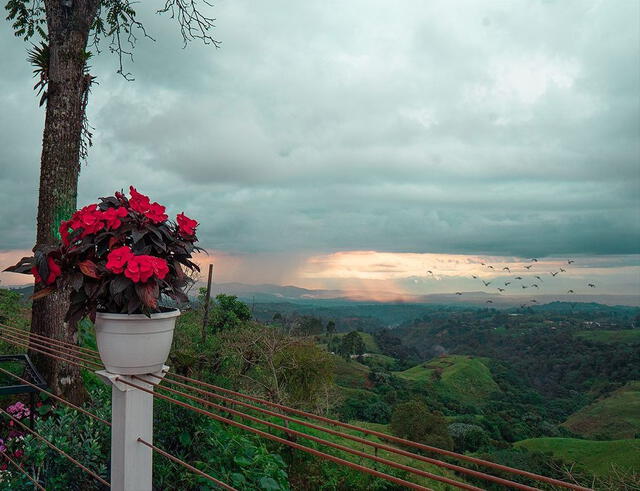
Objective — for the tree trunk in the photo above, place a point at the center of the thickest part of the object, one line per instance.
(68, 29)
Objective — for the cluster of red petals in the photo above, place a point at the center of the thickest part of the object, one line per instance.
(91, 220)
(54, 272)
(137, 268)
(186, 226)
(142, 204)
(117, 259)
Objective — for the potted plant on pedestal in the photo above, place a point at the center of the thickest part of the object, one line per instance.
(117, 259)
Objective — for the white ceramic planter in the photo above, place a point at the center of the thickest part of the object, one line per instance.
(135, 344)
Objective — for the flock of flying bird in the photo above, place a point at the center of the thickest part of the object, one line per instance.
(528, 267)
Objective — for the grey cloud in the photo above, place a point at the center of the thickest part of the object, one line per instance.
(471, 127)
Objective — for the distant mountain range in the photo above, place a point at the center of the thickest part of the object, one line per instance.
(269, 293)
(278, 293)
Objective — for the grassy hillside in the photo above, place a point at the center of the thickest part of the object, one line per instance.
(611, 337)
(616, 416)
(369, 342)
(597, 457)
(351, 374)
(464, 378)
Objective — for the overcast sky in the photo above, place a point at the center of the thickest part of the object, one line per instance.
(503, 129)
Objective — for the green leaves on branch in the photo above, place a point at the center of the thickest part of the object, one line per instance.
(28, 18)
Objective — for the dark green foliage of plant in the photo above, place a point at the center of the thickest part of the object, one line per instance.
(231, 455)
(364, 406)
(413, 421)
(330, 328)
(84, 438)
(468, 437)
(226, 312)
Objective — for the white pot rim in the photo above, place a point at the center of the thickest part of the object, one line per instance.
(137, 317)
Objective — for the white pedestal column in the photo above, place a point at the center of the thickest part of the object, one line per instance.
(131, 418)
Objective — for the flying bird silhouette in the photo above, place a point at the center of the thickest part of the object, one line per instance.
(507, 283)
(553, 274)
(570, 261)
(570, 291)
(483, 264)
(489, 301)
(518, 277)
(534, 260)
(528, 267)
(430, 272)
(563, 270)
(458, 293)
(500, 289)
(591, 285)
(474, 277)
(491, 267)
(523, 305)
(534, 300)
(536, 286)
(486, 283)
(539, 278)
(506, 268)
(524, 286)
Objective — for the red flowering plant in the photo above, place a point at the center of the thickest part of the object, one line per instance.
(118, 256)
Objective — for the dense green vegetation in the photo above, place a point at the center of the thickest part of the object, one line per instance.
(616, 416)
(613, 336)
(539, 389)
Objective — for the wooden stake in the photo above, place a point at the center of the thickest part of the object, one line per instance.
(205, 319)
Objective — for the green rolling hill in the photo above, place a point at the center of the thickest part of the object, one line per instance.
(616, 416)
(460, 377)
(597, 457)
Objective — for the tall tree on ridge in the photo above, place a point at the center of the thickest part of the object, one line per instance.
(67, 29)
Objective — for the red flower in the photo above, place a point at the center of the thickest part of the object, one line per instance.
(19, 453)
(112, 217)
(142, 204)
(139, 202)
(3, 467)
(89, 219)
(186, 225)
(156, 213)
(139, 268)
(118, 258)
(54, 271)
(160, 267)
(64, 232)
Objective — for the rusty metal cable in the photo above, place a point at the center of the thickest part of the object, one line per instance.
(321, 441)
(91, 352)
(381, 446)
(283, 441)
(392, 438)
(23, 345)
(50, 349)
